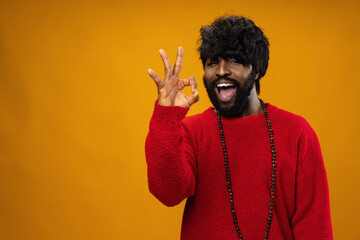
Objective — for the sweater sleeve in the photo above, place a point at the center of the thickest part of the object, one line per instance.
(170, 156)
(311, 219)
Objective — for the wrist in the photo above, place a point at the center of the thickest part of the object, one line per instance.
(166, 115)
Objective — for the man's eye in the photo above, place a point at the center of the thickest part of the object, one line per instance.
(211, 63)
(234, 61)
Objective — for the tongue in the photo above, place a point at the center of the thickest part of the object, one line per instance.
(226, 93)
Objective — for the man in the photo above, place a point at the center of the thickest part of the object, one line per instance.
(249, 170)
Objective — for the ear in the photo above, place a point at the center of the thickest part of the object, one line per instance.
(257, 73)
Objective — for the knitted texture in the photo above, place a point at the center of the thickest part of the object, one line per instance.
(185, 160)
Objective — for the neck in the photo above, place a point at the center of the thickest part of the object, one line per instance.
(253, 107)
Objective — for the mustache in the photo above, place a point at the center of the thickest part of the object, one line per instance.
(225, 78)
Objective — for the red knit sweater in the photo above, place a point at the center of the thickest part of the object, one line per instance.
(185, 160)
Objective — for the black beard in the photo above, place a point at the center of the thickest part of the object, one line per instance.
(241, 98)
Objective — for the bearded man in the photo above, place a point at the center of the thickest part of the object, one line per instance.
(248, 169)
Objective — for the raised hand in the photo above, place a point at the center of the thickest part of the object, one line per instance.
(170, 89)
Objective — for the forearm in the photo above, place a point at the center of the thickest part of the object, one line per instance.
(171, 174)
(312, 215)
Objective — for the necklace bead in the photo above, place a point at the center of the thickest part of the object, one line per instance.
(273, 174)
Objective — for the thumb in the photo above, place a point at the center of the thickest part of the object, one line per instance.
(193, 98)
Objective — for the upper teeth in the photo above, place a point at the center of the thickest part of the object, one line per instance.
(224, 85)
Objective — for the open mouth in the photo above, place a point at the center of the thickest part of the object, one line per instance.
(225, 91)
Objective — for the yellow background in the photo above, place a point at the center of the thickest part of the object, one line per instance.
(75, 102)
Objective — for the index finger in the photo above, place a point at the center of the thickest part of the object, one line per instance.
(179, 61)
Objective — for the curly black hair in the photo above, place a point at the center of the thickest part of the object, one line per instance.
(235, 37)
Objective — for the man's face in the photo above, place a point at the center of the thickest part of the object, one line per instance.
(228, 84)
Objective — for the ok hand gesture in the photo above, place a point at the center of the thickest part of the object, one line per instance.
(170, 89)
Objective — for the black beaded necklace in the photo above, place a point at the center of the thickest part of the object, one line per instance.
(273, 174)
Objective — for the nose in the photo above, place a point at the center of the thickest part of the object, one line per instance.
(223, 68)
